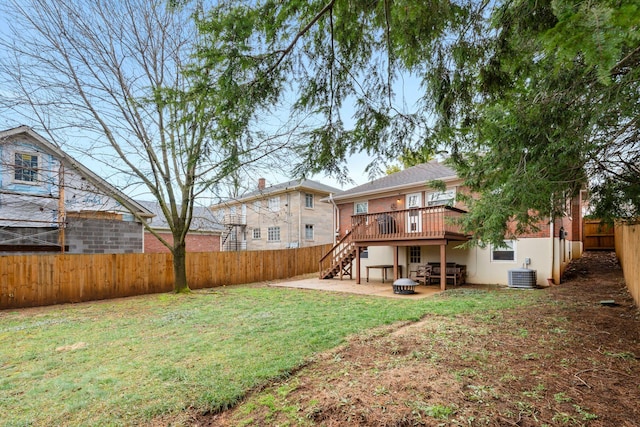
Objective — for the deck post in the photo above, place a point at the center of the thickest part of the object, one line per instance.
(395, 263)
(443, 267)
(357, 265)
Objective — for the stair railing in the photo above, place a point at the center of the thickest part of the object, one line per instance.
(335, 254)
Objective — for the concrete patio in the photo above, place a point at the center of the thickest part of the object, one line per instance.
(373, 287)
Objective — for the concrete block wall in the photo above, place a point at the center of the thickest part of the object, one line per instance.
(32, 235)
(93, 236)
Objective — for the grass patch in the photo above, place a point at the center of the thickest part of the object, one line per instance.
(126, 361)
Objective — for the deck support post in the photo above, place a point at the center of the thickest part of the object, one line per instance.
(357, 265)
(395, 263)
(443, 266)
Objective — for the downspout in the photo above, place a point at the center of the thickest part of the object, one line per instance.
(336, 218)
(300, 230)
(289, 223)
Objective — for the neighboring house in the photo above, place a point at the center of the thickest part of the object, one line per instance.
(398, 221)
(204, 234)
(286, 215)
(51, 203)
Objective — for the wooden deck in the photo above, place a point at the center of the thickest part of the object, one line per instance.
(423, 226)
(408, 227)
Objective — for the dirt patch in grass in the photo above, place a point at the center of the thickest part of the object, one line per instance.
(566, 360)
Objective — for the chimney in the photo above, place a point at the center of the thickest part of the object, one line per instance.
(261, 183)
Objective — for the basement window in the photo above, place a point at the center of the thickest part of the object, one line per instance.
(506, 253)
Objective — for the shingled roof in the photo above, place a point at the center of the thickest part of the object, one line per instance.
(298, 185)
(415, 175)
(203, 219)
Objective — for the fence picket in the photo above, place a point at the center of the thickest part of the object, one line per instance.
(627, 242)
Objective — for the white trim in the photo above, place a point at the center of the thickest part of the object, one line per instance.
(441, 198)
(14, 167)
(355, 207)
(512, 248)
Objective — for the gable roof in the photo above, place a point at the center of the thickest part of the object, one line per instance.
(70, 162)
(410, 177)
(203, 218)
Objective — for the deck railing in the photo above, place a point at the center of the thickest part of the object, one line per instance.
(416, 223)
(336, 253)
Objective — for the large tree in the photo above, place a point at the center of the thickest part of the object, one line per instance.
(114, 77)
(532, 99)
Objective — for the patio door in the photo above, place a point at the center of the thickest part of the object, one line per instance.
(414, 216)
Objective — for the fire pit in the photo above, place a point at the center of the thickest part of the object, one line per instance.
(404, 286)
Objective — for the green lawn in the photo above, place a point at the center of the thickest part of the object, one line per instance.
(125, 361)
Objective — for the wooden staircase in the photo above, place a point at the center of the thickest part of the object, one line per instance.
(339, 260)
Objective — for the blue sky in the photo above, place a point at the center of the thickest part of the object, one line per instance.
(356, 163)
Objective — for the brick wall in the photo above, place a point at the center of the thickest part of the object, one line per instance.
(95, 236)
(386, 204)
(346, 210)
(195, 243)
(391, 203)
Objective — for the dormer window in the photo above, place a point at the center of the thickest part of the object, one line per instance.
(26, 167)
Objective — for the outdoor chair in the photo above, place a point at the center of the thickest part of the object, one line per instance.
(423, 274)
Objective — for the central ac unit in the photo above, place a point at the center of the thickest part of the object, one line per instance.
(522, 278)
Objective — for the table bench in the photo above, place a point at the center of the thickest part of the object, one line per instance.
(384, 270)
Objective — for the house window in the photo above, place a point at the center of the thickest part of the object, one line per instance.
(413, 200)
(256, 233)
(440, 198)
(26, 167)
(308, 231)
(274, 204)
(361, 207)
(257, 204)
(414, 254)
(308, 200)
(273, 234)
(505, 253)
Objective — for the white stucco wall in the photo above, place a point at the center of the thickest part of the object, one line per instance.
(480, 268)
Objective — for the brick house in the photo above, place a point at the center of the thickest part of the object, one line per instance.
(204, 233)
(51, 203)
(281, 216)
(398, 223)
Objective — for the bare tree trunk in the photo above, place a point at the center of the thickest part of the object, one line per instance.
(180, 268)
(123, 68)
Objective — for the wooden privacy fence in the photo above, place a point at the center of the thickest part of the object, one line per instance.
(627, 250)
(597, 235)
(37, 280)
